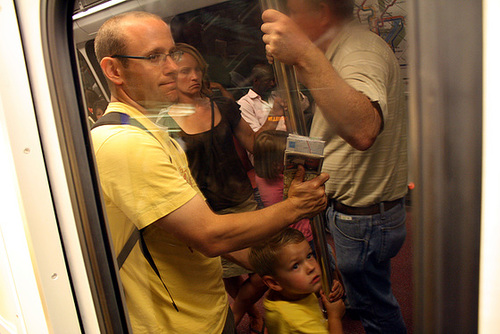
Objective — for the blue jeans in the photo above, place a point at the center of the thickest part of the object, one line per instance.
(364, 247)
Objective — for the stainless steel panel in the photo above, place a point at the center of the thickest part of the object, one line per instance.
(445, 141)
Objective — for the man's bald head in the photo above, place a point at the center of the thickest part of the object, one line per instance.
(111, 40)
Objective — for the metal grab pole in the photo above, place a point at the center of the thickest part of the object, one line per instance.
(319, 237)
(288, 90)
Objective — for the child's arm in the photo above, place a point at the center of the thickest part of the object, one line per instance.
(335, 320)
(335, 308)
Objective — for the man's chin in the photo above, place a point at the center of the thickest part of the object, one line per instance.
(173, 96)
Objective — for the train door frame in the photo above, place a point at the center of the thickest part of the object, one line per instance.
(89, 217)
(489, 301)
(42, 287)
(91, 299)
(445, 99)
(446, 134)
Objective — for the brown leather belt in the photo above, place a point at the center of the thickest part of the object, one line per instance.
(366, 210)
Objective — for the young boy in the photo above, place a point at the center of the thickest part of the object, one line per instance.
(287, 266)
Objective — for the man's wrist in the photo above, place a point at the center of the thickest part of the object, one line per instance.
(293, 210)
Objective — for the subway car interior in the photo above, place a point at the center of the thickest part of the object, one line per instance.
(59, 272)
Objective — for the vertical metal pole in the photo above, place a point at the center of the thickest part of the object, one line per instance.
(288, 89)
(287, 84)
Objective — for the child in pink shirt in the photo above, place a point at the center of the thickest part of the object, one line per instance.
(269, 151)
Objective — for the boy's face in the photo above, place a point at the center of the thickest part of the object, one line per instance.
(298, 273)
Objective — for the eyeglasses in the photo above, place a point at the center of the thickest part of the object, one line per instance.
(156, 58)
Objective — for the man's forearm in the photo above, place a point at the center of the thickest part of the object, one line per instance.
(199, 227)
(349, 112)
(241, 230)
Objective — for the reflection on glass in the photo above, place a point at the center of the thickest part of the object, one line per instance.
(360, 112)
(228, 38)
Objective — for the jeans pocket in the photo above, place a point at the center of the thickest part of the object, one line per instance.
(393, 238)
(350, 228)
(349, 239)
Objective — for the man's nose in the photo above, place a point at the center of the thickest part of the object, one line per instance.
(170, 66)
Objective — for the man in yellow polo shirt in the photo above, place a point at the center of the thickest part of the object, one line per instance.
(146, 184)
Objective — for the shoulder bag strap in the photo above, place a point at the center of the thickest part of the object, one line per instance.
(147, 255)
(117, 118)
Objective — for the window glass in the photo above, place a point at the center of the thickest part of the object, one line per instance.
(95, 101)
(203, 142)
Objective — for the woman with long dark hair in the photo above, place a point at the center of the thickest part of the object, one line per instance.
(207, 134)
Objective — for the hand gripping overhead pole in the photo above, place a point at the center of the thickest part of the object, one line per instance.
(288, 90)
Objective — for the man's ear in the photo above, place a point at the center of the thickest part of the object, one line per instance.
(112, 70)
(325, 15)
(271, 283)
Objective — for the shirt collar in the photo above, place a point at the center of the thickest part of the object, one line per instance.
(253, 95)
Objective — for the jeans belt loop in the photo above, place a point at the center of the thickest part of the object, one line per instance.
(382, 208)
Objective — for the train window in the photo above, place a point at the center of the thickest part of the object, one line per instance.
(224, 58)
(93, 96)
(229, 38)
(83, 5)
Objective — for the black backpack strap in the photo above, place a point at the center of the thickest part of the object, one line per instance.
(129, 245)
(117, 118)
(147, 255)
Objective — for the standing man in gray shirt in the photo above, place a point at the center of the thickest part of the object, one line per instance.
(360, 112)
